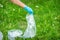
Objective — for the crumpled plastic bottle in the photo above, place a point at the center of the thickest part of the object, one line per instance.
(1, 35)
(29, 32)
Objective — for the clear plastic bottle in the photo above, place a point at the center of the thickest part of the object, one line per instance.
(29, 32)
(1, 35)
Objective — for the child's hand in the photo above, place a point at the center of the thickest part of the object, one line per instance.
(28, 9)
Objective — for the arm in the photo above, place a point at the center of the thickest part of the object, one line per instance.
(19, 3)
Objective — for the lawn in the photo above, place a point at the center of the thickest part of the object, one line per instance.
(46, 14)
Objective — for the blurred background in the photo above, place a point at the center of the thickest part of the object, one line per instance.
(46, 14)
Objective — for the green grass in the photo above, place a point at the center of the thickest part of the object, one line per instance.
(47, 17)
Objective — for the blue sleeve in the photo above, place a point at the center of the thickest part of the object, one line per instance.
(28, 9)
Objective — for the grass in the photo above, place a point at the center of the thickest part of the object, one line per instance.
(46, 14)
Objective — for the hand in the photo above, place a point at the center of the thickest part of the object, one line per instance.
(28, 9)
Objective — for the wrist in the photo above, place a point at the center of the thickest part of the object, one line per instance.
(28, 9)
